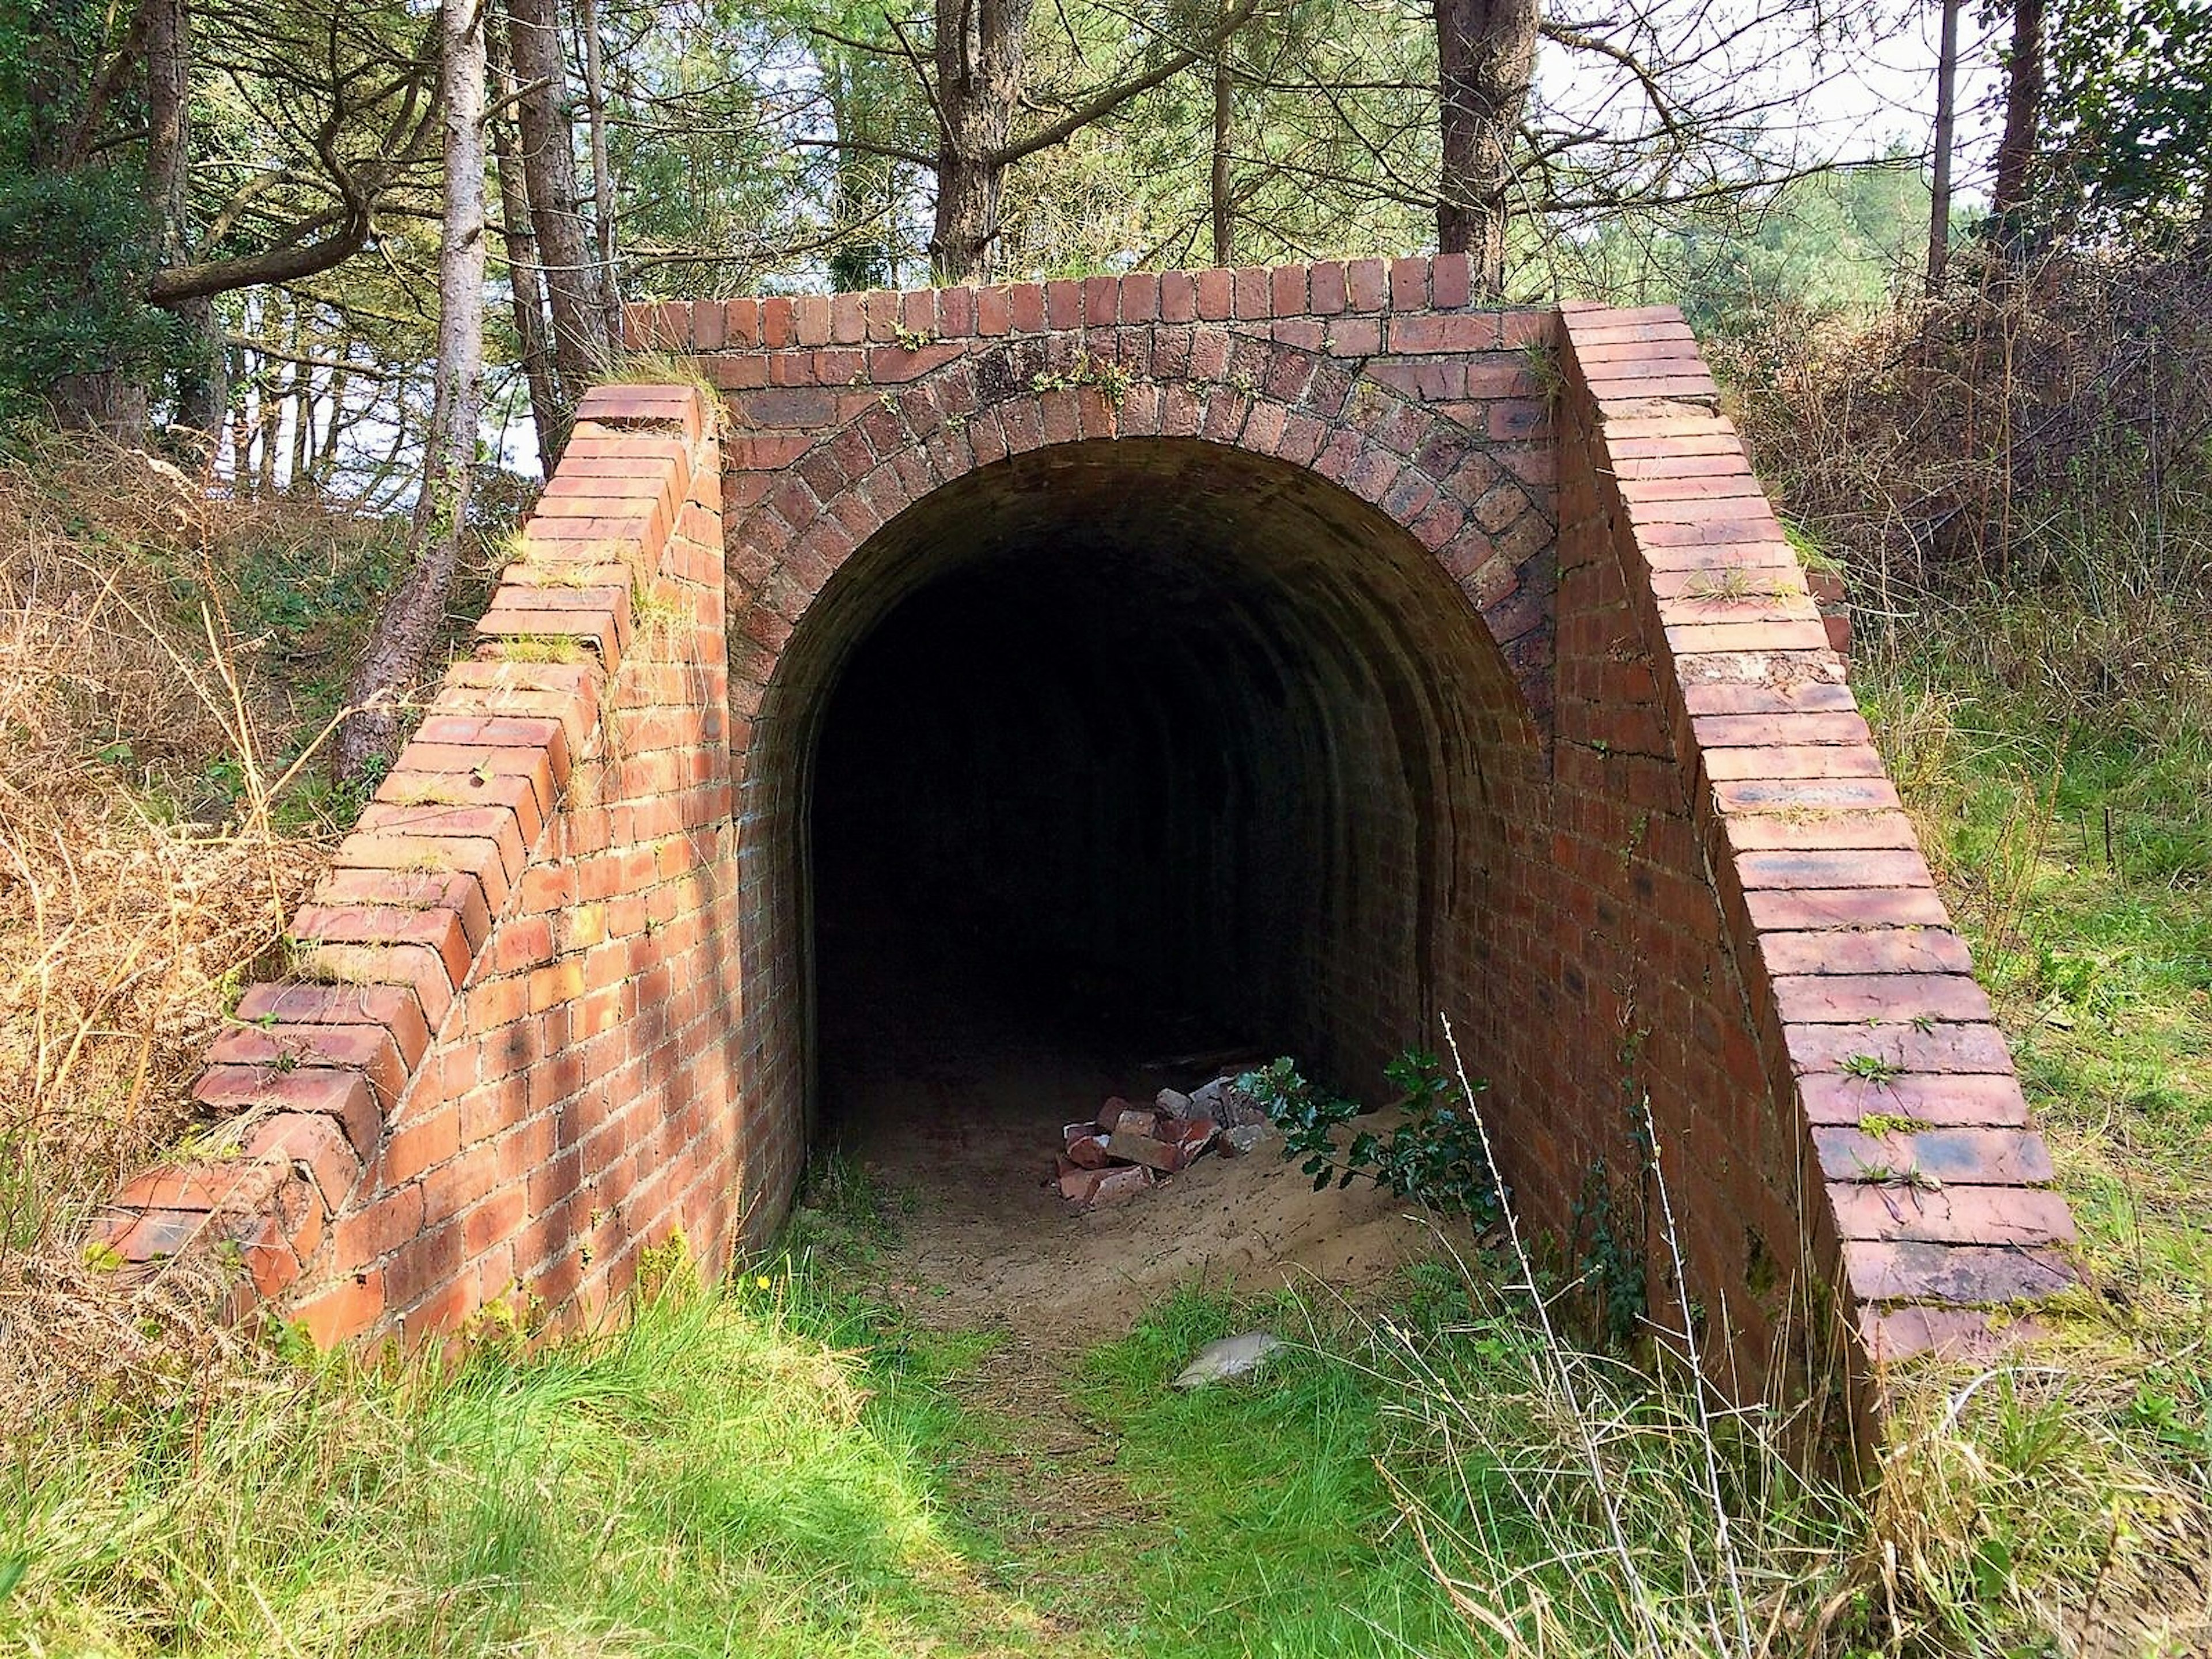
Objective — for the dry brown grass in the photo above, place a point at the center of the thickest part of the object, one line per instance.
(1975, 438)
(144, 874)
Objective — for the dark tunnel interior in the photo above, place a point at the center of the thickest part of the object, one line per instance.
(1141, 753)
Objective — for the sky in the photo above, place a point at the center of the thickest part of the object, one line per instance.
(1867, 89)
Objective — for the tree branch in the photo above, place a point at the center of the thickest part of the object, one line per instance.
(1107, 99)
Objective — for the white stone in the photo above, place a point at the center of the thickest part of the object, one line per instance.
(1230, 1358)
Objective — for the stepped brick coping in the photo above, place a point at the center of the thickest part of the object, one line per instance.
(1937, 1186)
(304, 1080)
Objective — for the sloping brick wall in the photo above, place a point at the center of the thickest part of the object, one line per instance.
(502, 1066)
(1865, 1100)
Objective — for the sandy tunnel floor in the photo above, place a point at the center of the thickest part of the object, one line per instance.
(950, 1090)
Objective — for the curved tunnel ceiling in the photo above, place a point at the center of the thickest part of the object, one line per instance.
(1187, 705)
(1245, 552)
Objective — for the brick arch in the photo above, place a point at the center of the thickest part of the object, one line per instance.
(943, 409)
(1330, 634)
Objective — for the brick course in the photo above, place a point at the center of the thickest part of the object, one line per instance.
(480, 1089)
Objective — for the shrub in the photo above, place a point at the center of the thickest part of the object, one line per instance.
(1435, 1154)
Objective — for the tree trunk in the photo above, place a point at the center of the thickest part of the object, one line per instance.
(203, 390)
(603, 177)
(304, 395)
(105, 400)
(526, 284)
(982, 52)
(1218, 180)
(1486, 58)
(549, 166)
(409, 624)
(241, 432)
(1939, 188)
(327, 448)
(167, 25)
(2023, 123)
(269, 416)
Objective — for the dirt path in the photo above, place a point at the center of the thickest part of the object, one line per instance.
(953, 1099)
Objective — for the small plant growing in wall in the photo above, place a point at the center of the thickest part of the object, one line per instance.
(1113, 379)
(1539, 361)
(1434, 1156)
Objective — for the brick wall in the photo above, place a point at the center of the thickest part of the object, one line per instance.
(1811, 988)
(1558, 793)
(1394, 657)
(503, 1064)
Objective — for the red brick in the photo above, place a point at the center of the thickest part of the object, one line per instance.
(231, 1187)
(1217, 294)
(1893, 1334)
(1881, 951)
(1251, 288)
(1951, 1157)
(438, 931)
(1768, 832)
(479, 732)
(1959, 1274)
(1063, 304)
(341, 1311)
(1451, 281)
(1409, 284)
(1951, 1215)
(312, 1143)
(1855, 998)
(369, 1050)
(417, 967)
(395, 1008)
(1326, 288)
(1898, 1047)
(1818, 869)
(344, 1097)
(1956, 1101)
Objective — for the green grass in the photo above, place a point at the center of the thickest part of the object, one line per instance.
(786, 1466)
(710, 1480)
(1270, 1530)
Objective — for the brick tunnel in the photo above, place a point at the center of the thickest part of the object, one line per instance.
(1138, 729)
(1308, 650)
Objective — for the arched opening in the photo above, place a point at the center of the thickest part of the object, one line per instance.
(1118, 756)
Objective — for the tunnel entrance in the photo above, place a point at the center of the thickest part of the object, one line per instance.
(1140, 758)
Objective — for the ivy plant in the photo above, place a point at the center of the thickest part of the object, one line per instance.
(1434, 1155)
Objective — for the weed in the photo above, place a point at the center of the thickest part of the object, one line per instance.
(541, 648)
(1879, 1124)
(1539, 361)
(1434, 1155)
(1112, 377)
(1870, 1068)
